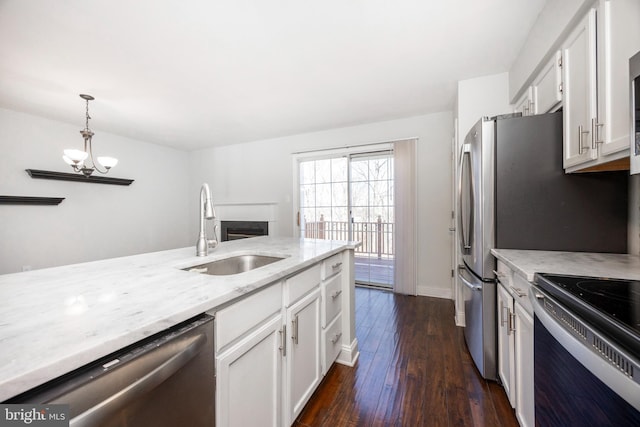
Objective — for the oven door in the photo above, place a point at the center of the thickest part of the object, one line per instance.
(581, 378)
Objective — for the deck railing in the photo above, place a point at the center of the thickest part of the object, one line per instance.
(376, 237)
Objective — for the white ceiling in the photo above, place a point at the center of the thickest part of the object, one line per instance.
(198, 73)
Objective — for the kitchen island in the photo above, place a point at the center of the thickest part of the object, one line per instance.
(55, 320)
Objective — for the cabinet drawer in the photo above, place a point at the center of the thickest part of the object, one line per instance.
(332, 343)
(236, 320)
(521, 295)
(300, 284)
(331, 299)
(331, 266)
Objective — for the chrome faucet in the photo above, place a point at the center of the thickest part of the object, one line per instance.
(206, 212)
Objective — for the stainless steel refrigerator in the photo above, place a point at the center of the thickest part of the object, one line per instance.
(514, 194)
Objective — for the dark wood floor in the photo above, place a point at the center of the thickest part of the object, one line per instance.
(414, 370)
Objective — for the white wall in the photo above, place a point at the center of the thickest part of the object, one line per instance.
(95, 221)
(481, 96)
(551, 27)
(262, 171)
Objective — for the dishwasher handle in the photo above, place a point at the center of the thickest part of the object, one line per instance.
(187, 350)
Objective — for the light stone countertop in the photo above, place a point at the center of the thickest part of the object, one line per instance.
(527, 263)
(55, 320)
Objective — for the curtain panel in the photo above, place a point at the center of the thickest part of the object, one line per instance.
(406, 240)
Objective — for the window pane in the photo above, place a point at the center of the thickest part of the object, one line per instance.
(307, 172)
(339, 194)
(323, 171)
(307, 195)
(339, 169)
(359, 170)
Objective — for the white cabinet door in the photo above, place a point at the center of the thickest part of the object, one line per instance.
(579, 92)
(525, 408)
(303, 353)
(547, 87)
(618, 40)
(249, 379)
(505, 343)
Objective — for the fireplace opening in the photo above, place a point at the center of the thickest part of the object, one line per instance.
(234, 230)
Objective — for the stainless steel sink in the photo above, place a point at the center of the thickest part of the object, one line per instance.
(234, 265)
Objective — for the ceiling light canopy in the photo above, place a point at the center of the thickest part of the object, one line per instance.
(76, 158)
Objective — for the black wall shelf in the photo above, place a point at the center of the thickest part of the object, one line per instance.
(27, 200)
(77, 177)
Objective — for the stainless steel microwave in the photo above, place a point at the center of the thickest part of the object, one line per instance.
(634, 74)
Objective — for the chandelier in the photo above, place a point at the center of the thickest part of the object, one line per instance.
(76, 158)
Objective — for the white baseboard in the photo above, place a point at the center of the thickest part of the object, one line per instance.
(460, 319)
(426, 291)
(349, 354)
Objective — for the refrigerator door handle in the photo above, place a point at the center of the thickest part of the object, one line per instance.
(465, 244)
(468, 284)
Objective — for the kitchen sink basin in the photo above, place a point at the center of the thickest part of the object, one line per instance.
(234, 265)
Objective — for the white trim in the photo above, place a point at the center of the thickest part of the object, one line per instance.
(349, 354)
(426, 291)
(460, 319)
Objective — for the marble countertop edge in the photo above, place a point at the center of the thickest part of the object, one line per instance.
(528, 262)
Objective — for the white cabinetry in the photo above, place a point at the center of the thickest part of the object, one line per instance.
(547, 86)
(595, 61)
(579, 92)
(331, 319)
(250, 374)
(515, 343)
(272, 347)
(249, 360)
(618, 39)
(506, 362)
(524, 393)
(303, 366)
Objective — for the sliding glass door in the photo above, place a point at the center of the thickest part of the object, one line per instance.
(350, 197)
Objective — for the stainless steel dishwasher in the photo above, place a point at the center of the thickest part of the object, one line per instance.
(165, 380)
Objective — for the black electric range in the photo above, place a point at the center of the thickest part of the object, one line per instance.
(610, 305)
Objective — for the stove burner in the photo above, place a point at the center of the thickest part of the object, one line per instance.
(614, 289)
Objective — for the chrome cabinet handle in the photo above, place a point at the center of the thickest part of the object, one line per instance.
(336, 265)
(512, 322)
(519, 292)
(595, 131)
(336, 294)
(581, 131)
(294, 330)
(336, 337)
(283, 340)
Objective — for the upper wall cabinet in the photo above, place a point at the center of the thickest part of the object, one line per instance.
(595, 59)
(547, 87)
(579, 92)
(618, 40)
